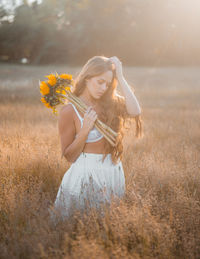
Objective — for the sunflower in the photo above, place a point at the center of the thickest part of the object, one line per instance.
(43, 100)
(66, 76)
(44, 88)
(68, 88)
(60, 91)
(47, 105)
(52, 79)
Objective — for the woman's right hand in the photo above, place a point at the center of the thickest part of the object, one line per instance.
(89, 119)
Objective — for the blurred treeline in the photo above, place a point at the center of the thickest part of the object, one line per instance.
(70, 31)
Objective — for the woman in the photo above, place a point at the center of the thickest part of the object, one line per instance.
(96, 174)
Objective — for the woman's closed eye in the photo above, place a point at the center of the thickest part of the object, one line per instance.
(101, 82)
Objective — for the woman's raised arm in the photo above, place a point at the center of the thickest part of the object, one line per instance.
(132, 104)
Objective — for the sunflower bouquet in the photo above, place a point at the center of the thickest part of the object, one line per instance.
(57, 89)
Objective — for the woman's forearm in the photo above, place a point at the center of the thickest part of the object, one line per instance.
(132, 104)
(72, 152)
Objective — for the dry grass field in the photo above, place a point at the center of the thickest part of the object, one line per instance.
(159, 216)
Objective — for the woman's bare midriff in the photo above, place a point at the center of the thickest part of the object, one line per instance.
(97, 147)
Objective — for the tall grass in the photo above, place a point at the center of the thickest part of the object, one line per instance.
(159, 216)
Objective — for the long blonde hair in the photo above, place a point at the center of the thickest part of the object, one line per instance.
(114, 112)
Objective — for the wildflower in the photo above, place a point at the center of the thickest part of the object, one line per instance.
(68, 88)
(43, 100)
(66, 76)
(44, 89)
(52, 79)
(47, 105)
(60, 91)
(63, 92)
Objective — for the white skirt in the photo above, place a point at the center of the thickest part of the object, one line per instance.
(89, 181)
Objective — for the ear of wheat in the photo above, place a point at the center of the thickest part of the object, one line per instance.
(57, 89)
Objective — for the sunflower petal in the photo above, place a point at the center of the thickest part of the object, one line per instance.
(66, 76)
(52, 79)
(44, 88)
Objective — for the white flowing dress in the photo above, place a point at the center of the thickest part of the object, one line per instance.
(89, 181)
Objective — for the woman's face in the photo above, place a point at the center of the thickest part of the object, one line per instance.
(98, 85)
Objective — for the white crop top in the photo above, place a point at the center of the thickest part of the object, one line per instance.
(94, 135)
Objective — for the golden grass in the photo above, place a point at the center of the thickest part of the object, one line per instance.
(159, 217)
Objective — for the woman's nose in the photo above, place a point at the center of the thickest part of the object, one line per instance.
(104, 86)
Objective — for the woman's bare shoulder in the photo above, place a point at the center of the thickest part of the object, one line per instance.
(66, 110)
(66, 113)
(66, 121)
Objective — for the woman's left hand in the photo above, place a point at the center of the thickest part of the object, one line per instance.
(118, 66)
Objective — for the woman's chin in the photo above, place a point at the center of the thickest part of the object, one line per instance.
(97, 97)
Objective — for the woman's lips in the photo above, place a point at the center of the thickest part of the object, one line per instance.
(100, 94)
